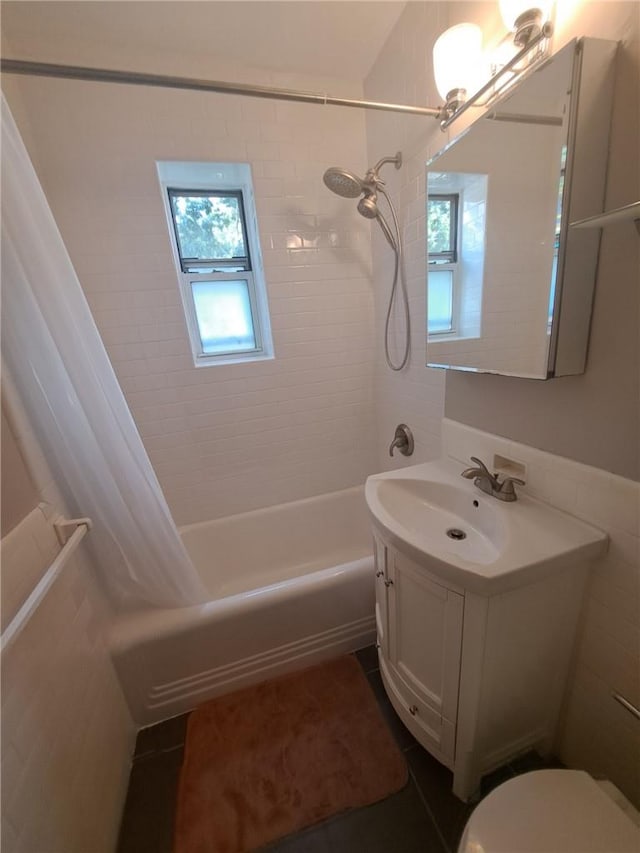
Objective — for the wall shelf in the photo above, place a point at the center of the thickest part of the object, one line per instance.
(629, 212)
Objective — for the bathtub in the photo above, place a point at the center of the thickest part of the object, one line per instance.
(290, 585)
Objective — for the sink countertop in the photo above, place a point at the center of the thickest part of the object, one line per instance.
(507, 545)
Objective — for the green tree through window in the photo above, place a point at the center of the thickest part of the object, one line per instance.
(208, 226)
(439, 225)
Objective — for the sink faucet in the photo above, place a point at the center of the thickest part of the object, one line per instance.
(489, 483)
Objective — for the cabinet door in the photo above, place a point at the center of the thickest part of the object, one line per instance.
(425, 634)
(380, 557)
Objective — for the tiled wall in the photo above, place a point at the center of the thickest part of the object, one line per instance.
(402, 73)
(472, 252)
(67, 735)
(598, 734)
(222, 439)
(19, 495)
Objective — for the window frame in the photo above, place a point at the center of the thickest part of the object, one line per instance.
(206, 278)
(224, 180)
(450, 257)
(210, 262)
(453, 268)
(447, 261)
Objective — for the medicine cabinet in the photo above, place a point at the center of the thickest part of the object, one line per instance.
(510, 282)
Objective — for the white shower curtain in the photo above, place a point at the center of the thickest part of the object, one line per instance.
(57, 362)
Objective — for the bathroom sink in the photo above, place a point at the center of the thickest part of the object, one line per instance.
(470, 538)
(431, 510)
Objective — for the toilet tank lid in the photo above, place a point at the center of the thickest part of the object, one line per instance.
(549, 811)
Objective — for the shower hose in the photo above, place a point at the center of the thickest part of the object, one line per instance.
(398, 276)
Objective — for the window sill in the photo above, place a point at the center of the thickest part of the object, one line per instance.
(445, 338)
(235, 358)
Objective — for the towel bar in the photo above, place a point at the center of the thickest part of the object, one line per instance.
(28, 608)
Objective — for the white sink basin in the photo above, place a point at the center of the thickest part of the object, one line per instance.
(424, 508)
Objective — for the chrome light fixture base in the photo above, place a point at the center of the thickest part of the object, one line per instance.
(454, 100)
(533, 51)
(527, 26)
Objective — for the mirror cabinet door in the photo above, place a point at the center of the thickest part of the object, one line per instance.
(509, 284)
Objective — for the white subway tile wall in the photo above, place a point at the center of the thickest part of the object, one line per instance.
(67, 735)
(414, 396)
(598, 734)
(222, 439)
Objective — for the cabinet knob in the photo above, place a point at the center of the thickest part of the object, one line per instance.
(378, 645)
(413, 710)
(388, 583)
(379, 574)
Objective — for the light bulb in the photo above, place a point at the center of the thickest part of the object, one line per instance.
(457, 60)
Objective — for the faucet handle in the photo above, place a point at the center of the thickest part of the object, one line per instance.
(481, 465)
(403, 440)
(506, 486)
(484, 471)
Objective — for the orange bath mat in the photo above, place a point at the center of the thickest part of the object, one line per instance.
(272, 759)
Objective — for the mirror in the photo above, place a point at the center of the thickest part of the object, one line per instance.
(509, 282)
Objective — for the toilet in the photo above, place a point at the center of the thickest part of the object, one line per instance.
(553, 811)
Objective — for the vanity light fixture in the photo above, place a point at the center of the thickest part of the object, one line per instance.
(459, 64)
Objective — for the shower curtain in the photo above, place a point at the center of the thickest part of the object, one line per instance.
(58, 364)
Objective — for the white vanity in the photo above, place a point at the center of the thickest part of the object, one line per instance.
(477, 603)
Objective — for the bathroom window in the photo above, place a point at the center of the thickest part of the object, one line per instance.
(442, 248)
(214, 235)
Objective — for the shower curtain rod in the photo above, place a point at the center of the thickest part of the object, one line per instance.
(105, 75)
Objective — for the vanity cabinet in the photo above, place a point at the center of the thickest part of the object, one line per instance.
(420, 638)
(476, 679)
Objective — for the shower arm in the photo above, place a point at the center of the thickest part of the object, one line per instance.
(372, 179)
(397, 160)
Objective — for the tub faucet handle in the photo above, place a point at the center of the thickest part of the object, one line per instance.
(403, 440)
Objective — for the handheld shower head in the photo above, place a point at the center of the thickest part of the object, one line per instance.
(343, 183)
(368, 205)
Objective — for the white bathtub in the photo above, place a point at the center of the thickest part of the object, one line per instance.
(290, 585)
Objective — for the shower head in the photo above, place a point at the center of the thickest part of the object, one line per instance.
(348, 185)
(343, 183)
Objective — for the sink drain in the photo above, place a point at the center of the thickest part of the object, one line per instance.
(456, 533)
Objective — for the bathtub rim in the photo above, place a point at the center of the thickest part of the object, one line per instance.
(137, 627)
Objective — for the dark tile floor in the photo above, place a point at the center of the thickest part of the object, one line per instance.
(424, 817)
